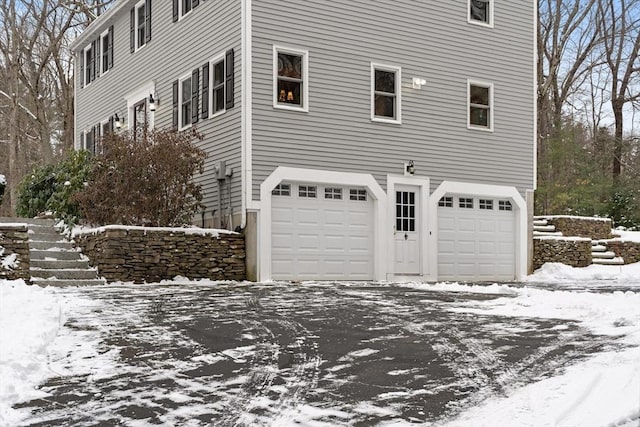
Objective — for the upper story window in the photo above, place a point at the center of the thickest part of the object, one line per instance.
(481, 12)
(217, 85)
(385, 93)
(185, 102)
(480, 114)
(291, 79)
(106, 58)
(139, 25)
(89, 60)
(182, 7)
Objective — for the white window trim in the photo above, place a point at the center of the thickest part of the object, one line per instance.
(475, 22)
(398, 72)
(180, 80)
(182, 15)
(136, 7)
(136, 96)
(100, 60)
(86, 65)
(305, 78)
(484, 84)
(221, 57)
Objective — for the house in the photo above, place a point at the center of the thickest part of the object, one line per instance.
(351, 140)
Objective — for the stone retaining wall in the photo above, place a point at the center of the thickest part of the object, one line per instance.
(140, 255)
(575, 252)
(594, 228)
(629, 251)
(14, 239)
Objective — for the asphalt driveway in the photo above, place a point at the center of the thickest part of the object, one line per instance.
(281, 354)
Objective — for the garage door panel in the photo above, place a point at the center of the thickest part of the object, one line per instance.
(308, 217)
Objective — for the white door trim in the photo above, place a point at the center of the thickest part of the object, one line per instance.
(497, 191)
(422, 183)
(283, 173)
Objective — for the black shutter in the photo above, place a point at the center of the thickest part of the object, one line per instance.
(194, 3)
(110, 126)
(195, 95)
(229, 81)
(81, 141)
(175, 10)
(96, 55)
(205, 90)
(82, 68)
(176, 105)
(132, 30)
(93, 60)
(147, 20)
(110, 52)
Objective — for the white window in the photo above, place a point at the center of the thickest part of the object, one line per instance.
(106, 49)
(357, 195)
(333, 193)
(505, 205)
(446, 202)
(89, 63)
(481, 12)
(290, 79)
(185, 6)
(218, 84)
(480, 100)
(309, 191)
(486, 204)
(465, 203)
(282, 190)
(184, 97)
(385, 93)
(140, 25)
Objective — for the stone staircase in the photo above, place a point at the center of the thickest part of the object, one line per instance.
(599, 252)
(54, 261)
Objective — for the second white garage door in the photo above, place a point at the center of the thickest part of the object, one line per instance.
(321, 232)
(476, 239)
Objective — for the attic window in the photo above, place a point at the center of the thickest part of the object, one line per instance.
(481, 12)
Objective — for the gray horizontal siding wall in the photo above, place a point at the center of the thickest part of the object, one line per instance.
(175, 49)
(428, 39)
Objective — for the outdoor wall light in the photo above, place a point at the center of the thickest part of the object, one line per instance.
(152, 103)
(410, 168)
(418, 82)
(116, 121)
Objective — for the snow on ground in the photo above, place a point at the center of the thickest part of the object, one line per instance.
(8, 262)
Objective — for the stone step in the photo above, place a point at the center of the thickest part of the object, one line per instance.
(607, 261)
(38, 230)
(603, 255)
(61, 244)
(540, 222)
(63, 283)
(544, 228)
(41, 254)
(33, 221)
(63, 274)
(52, 264)
(598, 248)
(547, 233)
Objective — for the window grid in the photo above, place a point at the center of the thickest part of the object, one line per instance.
(140, 26)
(308, 191)
(357, 195)
(505, 205)
(480, 105)
(282, 190)
(218, 87)
(385, 93)
(290, 78)
(405, 211)
(465, 203)
(333, 193)
(446, 202)
(185, 102)
(486, 204)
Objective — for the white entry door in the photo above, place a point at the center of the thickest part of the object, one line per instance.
(407, 230)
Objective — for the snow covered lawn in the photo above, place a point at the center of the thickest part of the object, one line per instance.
(560, 350)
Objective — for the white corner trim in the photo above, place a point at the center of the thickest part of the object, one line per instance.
(246, 138)
(497, 191)
(423, 183)
(315, 176)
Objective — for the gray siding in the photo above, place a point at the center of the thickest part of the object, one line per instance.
(175, 49)
(431, 40)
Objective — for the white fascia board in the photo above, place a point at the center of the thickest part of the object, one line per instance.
(315, 176)
(486, 190)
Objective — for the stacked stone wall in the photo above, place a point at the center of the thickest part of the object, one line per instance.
(593, 228)
(575, 252)
(629, 251)
(14, 239)
(147, 255)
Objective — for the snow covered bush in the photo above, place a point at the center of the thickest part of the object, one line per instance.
(144, 180)
(50, 188)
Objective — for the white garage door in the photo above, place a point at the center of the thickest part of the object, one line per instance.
(476, 239)
(321, 232)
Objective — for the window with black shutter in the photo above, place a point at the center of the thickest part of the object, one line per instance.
(229, 77)
(139, 25)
